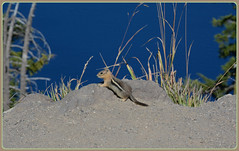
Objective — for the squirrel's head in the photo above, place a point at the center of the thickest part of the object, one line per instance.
(105, 74)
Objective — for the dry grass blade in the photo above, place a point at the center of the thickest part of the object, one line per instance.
(103, 60)
(149, 69)
(142, 67)
(187, 58)
(130, 69)
(220, 80)
(79, 81)
(121, 47)
(130, 20)
(133, 37)
(121, 50)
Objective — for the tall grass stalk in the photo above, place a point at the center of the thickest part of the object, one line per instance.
(185, 92)
(124, 45)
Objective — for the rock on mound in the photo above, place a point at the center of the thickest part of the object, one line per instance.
(93, 117)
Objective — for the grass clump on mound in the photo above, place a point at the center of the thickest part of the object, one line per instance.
(57, 93)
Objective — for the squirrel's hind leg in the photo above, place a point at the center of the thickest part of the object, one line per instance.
(123, 99)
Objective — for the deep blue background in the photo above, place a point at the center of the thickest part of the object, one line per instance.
(76, 31)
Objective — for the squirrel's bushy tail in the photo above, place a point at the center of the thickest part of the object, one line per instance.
(137, 102)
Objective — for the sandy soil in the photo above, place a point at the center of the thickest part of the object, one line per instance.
(93, 117)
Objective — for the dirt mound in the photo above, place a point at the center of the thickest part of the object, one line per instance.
(93, 117)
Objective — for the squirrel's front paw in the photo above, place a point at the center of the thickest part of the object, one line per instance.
(101, 85)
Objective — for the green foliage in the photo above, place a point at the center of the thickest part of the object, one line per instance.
(15, 59)
(225, 83)
(227, 38)
(13, 92)
(19, 31)
(36, 65)
(33, 65)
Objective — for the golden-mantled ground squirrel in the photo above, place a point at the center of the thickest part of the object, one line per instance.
(120, 88)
